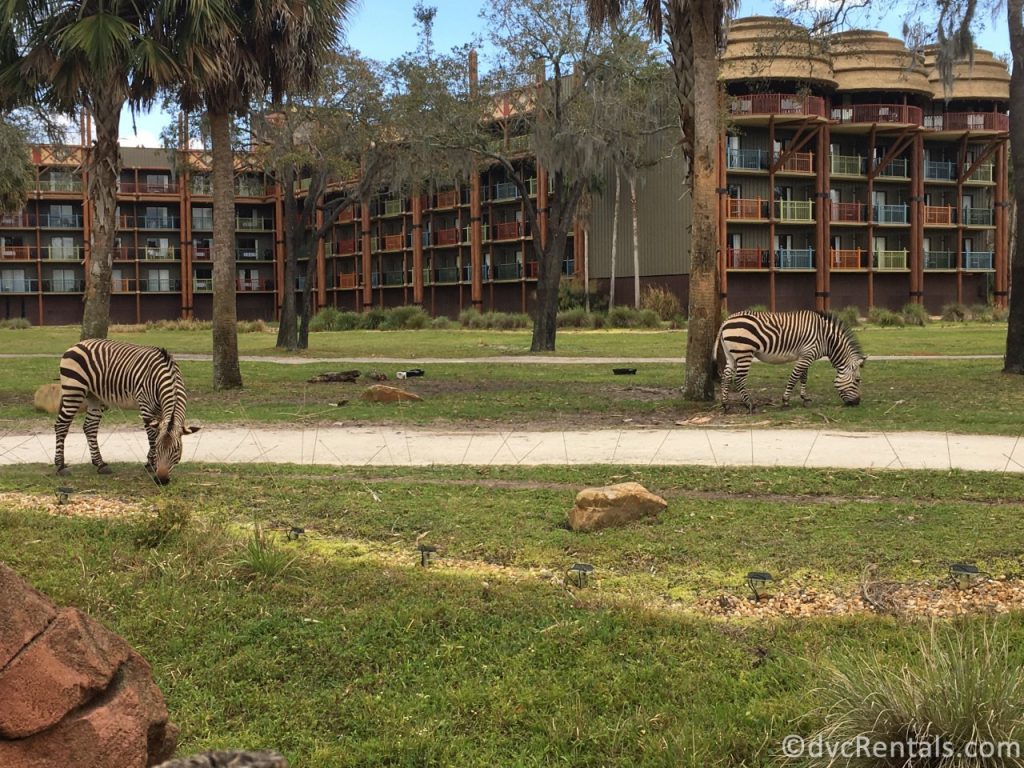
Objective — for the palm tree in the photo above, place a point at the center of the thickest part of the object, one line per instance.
(258, 46)
(695, 30)
(96, 55)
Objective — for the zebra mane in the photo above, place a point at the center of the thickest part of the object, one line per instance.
(840, 324)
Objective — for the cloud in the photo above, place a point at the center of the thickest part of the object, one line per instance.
(141, 138)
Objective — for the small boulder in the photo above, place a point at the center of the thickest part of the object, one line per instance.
(47, 398)
(382, 393)
(613, 505)
(221, 759)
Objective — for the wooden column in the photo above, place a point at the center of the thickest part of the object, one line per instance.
(279, 249)
(723, 226)
(1000, 289)
(367, 258)
(417, 250)
(321, 265)
(871, 217)
(822, 218)
(187, 292)
(916, 220)
(475, 230)
(961, 158)
(771, 213)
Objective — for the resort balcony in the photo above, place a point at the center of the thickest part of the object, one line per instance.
(19, 285)
(253, 223)
(348, 280)
(156, 253)
(254, 285)
(447, 199)
(750, 209)
(983, 173)
(847, 258)
(510, 230)
(467, 233)
(939, 215)
(161, 285)
(60, 221)
(157, 222)
(248, 189)
(62, 253)
(202, 285)
(897, 168)
(890, 214)
(64, 285)
(393, 208)
(504, 191)
(968, 121)
(747, 258)
(252, 254)
(794, 210)
(394, 242)
(977, 217)
(446, 275)
(510, 271)
(878, 113)
(71, 186)
(891, 260)
(19, 253)
(345, 247)
(202, 223)
(940, 260)
(980, 261)
(848, 165)
(17, 220)
(939, 170)
(394, 277)
(797, 162)
(776, 104)
(794, 258)
(446, 236)
(746, 159)
(148, 188)
(848, 212)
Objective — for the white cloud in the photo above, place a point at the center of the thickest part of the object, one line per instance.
(141, 138)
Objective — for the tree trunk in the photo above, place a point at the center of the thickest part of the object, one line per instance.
(226, 372)
(546, 321)
(307, 296)
(704, 282)
(636, 240)
(104, 172)
(287, 332)
(1014, 360)
(615, 237)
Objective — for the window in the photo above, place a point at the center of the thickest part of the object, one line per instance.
(157, 218)
(63, 280)
(159, 280)
(157, 182)
(62, 248)
(248, 279)
(13, 281)
(247, 248)
(117, 283)
(61, 216)
(158, 248)
(202, 218)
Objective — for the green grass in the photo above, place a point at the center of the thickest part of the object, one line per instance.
(943, 395)
(937, 338)
(358, 657)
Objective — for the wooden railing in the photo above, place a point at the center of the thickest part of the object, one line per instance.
(776, 104)
(878, 113)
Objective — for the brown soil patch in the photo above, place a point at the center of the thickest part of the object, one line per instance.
(77, 505)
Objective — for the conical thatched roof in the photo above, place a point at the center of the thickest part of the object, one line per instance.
(764, 47)
(868, 60)
(986, 78)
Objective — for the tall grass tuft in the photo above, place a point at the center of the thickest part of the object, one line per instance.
(961, 686)
(914, 314)
(982, 313)
(15, 324)
(849, 315)
(262, 557)
(662, 301)
(405, 317)
(324, 320)
(885, 318)
(954, 312)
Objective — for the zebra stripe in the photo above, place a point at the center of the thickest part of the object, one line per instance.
(785, 337)
(98, 373)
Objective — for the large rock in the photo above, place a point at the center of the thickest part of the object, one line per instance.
(74, 693)
(47, 398)
(382, 393)
(613, 505)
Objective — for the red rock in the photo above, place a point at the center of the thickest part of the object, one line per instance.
(24, 613)
(70, 662)
(613, 505)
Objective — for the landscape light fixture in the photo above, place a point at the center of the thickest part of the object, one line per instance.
(580, 572)
(295, 532)
(963, 574)
(757, 580)
(63, 493)
(426, 550)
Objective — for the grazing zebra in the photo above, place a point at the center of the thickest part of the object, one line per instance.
(98, 373)
(782, 337)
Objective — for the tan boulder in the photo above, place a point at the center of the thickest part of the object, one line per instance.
(613, 505)
(71, 691)
(382, 393)
(47, 398)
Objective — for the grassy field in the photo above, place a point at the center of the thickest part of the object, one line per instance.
(938, 338)
(953, 395)
(355, 656)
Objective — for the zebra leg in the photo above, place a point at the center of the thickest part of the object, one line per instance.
(70, 402)
(804, 397)
(740, 380)
(727, 375)
(148, 419)
(799, 374)
(92, 428)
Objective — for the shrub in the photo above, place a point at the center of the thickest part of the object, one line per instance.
(471, 318)
(662, 301)
(1000, 314)
(598, 320)
(849, 315)
(178, 324)
(324, 320)
(982, 313)
(621, 317)
(252, 326)
(441, 323)
(756, 308)
(16, 324)
(914, 314)
(648, 318)
(885, 318)
(406, 317)
(574, 318)
(170, 520)
(348, 321)
(572, 294)
(960, 685)
(954, 312)
(262, 557)
(371, 319)
(507, 321)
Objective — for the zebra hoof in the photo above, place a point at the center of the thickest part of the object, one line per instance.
(63, 471)
(104, 469)
(785, 405)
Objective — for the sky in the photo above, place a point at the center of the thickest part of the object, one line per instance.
(385, 29)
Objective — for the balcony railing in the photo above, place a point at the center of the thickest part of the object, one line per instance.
(62, 253)
(17, 220)
(978, 260)
(254, 284)
(847, 258)
(509, 230)
(251, 223)
(848, 165)
(160, 285)
(394, 277)
(19, 285)
(982, 173)
(895, 168)
(393, 242)
(201, 254)
(746, 159)
(940, 260)
(740, 208)
(202, 223)
(348, 280)
(60, 221)
(939, 215)
(200, 185)
(877, 113)
(939, 170)
(977, 217)
(467, 233)
(345, 247)
(64, 285)
(253, 254)
(509, 271)
(890, 214)
(747, 258)
(148, 188)
(159, 253)
(794, 210)
(446, 275)
(60, 185)
(776, 104)
(447, 199)
(446, 236)
(347, 214)
(18, 253)
(968, 121)
(794, 258)
(393, 207)
(250, 189)
(505, 191)
(797, 162)
(157, 222)
(847, 212)
(202, 284)
(894, 260)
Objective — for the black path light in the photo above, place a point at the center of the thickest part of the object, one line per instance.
(757, 580)
(426, 551)
(581, 572)
(63, 493)
(964, 574)
(295, 532)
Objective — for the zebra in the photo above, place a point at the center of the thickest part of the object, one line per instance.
(98, 373)
(782, 337)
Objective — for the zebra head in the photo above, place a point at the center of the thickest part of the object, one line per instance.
(847, 380)
(168, 449)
